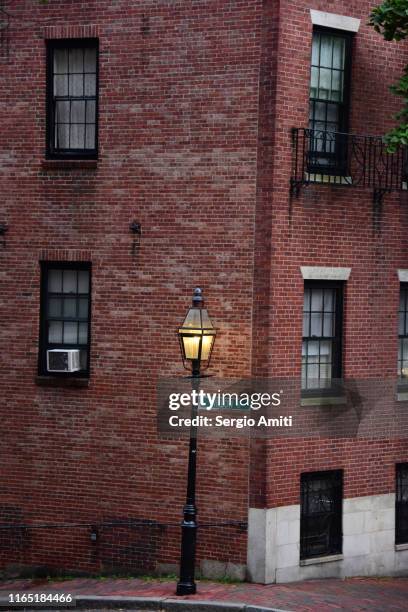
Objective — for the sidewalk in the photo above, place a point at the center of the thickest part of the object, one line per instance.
(373, 594)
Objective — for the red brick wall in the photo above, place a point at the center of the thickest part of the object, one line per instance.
(327, 226)
(178, 150)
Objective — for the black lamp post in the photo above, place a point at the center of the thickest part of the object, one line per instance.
(196, 335)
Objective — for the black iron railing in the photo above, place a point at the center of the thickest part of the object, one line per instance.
(347, 160)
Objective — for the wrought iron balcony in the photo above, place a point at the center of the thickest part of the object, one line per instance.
(346, 160)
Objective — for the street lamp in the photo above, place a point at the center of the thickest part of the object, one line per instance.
(197, 336)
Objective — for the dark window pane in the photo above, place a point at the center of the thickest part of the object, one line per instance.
(314, 82)
(401, 504)
(306, 320)
(90, 84)
(55, 281)
(62, 111)
(55, 332)
(55, 307)
(77, 136)
(338, 53)
(316, 324)
(321, 514)
(90, 137)
(90, 111)
(326, 43)
(62, 136)
(70, 281)
(324, 84)
(76, 61)
(78, 111)
(83, 333)
(90, 60)
(83, 359)
(70, 307)
(83, 307)
(306, 302)
(327, 97)
(317, 300)
(328, 324)
(76, 85)
(70, 332)
(403, 333)
(73, 100)
(65, 312)
(61, 85)
(61, 61)
(321, 333)
(83, 281)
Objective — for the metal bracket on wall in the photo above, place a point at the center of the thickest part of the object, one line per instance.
(4, 31)
(378, 195)
(3, 230)
(136, 228)
(295, 187)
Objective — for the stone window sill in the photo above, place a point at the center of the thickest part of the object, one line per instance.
(69, 164)
(402, 396)
(323, 400)
(61, 381)
(401, 546)
(317, 560)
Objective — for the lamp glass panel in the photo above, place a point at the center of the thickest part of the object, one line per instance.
(191, 346)
(206, 347)
(205, 320)
(193, 318)
(196, 328)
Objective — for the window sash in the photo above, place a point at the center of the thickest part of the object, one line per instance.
(321, 514)
(65, 312)
(401, 504)
(322, 335)
(329, 104)
(402, 368)
(72, 98)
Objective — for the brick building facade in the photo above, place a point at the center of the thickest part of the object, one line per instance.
(179, 116)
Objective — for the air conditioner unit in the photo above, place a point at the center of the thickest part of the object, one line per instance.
(63, 360)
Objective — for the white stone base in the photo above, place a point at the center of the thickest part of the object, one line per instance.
(368, 543)
(215, 570)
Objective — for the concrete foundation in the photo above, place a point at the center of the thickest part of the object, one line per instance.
(368, 543)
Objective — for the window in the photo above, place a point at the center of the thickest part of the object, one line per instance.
(65, 312)
(403, 335)
(72, 93)
(321, 514)
(401, 504)
(322, 334)
(329, 100)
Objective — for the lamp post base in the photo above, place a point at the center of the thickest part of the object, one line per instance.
(186, 588)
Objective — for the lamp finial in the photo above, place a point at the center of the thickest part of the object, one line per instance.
(197, 296)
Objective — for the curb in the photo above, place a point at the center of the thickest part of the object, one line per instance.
(157, 604)
(164, 604)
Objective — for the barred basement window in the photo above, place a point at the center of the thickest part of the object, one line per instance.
(401, 504)
(403, 336)
(329, 100)
(322, 335)
(321, 514)
(65, 318)
(72, 98)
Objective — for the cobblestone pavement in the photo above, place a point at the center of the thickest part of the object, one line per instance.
(355, 594)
